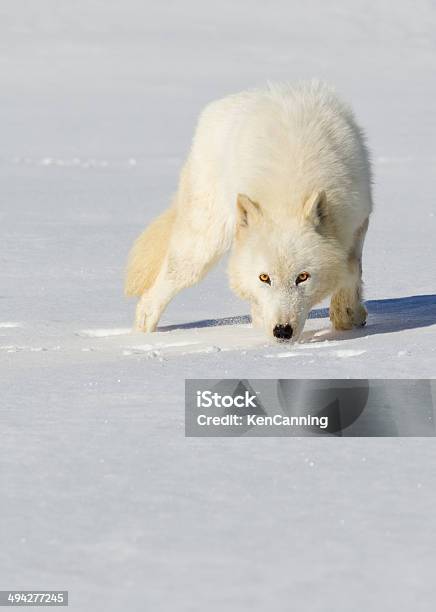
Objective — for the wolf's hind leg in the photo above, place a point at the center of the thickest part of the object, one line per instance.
(346, 308)
(185, 264)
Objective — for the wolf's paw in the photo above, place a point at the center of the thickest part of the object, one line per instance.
(145, 319)
(144, 326)
(347, 317)
(359, 316)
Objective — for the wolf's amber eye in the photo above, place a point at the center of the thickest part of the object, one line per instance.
(302, 277)
(265, 278)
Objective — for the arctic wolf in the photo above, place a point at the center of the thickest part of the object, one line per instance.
(282, 178)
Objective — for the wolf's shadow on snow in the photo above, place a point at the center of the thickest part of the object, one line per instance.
(384, 317)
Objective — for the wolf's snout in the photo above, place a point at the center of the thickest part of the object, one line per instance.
(283, 332)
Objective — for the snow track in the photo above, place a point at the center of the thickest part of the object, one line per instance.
(228, 334)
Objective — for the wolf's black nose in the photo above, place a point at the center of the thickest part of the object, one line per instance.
(284, 332)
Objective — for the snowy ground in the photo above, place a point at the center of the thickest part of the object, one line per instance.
(101, 492)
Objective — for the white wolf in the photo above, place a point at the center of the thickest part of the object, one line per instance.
(282, 177)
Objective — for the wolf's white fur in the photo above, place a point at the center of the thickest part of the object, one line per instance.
(282, 176)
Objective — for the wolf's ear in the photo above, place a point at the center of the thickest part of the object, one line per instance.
(315, 208)
(248, 211)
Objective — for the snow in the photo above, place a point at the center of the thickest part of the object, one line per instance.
(101, 492)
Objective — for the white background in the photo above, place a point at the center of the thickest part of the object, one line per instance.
(101, 493)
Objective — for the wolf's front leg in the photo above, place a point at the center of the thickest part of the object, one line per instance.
(346, 309)
(183, 267)
(153, 302)
(148, 312)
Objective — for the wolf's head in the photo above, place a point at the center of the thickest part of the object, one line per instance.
(284, 265)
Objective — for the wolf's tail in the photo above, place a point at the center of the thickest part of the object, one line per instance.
(148, 253)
